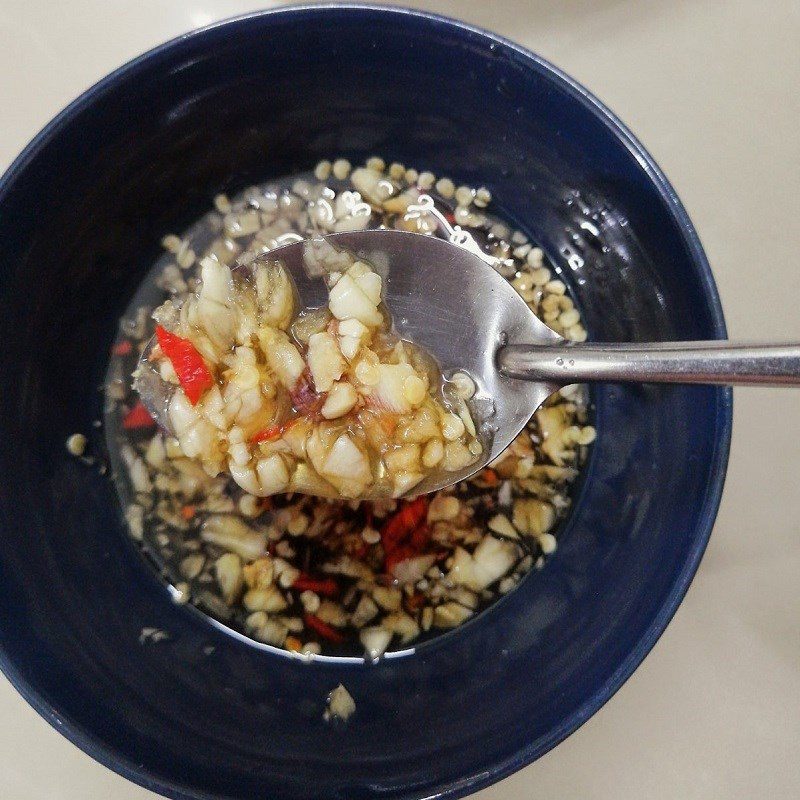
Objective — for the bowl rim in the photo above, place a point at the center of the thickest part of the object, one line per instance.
(86, 740)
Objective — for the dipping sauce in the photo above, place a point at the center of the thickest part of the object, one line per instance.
(343, 578)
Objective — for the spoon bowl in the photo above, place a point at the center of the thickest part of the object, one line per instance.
(444, 298)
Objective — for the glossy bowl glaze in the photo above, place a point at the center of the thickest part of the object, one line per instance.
(203, 714)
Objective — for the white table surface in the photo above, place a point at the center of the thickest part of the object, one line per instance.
(711, 88)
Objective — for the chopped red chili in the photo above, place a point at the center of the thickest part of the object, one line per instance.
(271, 433)
(192, 372)
(403, 523)
(323, 629)
(490, 477)
(138, 417)
(293, 644)
(324, 586)
(122, 348)
(420, 537)
(400, 553)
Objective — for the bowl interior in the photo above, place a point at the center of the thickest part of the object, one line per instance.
(202, 714)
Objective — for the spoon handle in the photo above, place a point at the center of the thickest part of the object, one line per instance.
(715, 362)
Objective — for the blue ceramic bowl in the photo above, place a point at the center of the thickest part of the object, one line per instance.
(203, 714)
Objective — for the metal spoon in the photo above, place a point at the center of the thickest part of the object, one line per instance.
(445, 296)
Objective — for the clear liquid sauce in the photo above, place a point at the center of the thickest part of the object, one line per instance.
(341, 552)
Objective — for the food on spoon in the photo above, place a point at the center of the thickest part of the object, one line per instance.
(326, 402)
